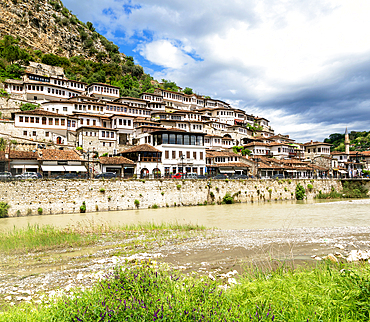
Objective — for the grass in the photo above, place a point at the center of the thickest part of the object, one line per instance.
(328, 292)
(39, 238)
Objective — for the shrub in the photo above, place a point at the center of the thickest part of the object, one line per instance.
(79, 148)
(3, 93)
(83, 208)
(137, 203)
(228, 199)
(102, 190)
(212, 195)
(162, 193)
(28, 107)
(310, 187)
(155, 206)
(299, 192)
(109, 198)
(178, 186)
(39, 211)
(4, 207)
(289, 181)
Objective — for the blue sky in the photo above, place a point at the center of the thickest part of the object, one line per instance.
(304, 65)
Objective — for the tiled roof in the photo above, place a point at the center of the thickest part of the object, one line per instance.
(59, 155)
(141, 148)
(212, 154)
(22, 155)
(316, 143)
(232, 164)
(115, 160)
(40, 112)
(102, 84)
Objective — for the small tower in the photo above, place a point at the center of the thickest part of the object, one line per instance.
(346, 142)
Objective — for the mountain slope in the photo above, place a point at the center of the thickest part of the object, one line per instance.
(48, 26)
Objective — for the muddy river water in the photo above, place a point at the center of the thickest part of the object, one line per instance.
(274, 215)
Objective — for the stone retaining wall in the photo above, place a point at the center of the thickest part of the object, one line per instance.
(66, 196)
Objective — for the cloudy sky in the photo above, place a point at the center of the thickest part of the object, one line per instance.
(304, 65)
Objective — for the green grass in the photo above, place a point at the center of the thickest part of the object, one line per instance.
(38, 238)
(326, 293)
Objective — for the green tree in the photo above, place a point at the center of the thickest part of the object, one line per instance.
(300, 192)
(90, 26)
(28, 107)
(188, 91)
(169, 85)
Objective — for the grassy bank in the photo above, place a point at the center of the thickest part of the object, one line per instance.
(40, 238)
(326, 293)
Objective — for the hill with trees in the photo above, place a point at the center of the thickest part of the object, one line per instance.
(359, 141)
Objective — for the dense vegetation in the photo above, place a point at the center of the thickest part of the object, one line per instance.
(329, 292)
(359, 141)
(350, 190)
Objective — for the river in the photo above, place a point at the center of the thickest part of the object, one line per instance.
(271, 215)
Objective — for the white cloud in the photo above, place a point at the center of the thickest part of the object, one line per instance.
(289, 56)
(164, 53)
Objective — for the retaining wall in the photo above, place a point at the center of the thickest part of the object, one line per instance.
(66, 196)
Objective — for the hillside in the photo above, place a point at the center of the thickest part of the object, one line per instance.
(48, 26)
(359, 141)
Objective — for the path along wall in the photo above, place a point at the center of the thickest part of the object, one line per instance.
(66, 196)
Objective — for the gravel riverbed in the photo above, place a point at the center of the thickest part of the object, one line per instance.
(39, 276)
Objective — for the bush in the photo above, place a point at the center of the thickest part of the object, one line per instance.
(300, 192)
(310, 187)
(4, 207)
(83, 208)
(155, 206)
(228, 199)
(102, 190)
(39, 211)
(28, 107)
(137, 203)
(178, 186)
(79, 148)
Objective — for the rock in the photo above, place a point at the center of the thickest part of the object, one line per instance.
(332, 258)
(339, 246)
(211, 277)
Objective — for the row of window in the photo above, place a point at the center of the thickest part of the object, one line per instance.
(319, 150)
(225, 159)
(180, 155)
(39, 78)
(129, 103)
(225, 113)
(125, 109)
(106, 134)
(89, 108)
(102, 89)
(88, 122)
(44, 120)
(180, 139)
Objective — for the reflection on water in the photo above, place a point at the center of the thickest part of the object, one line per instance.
(274, 215)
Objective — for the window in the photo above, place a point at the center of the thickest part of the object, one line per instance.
(201, 156)
(166, 154)
(188, 154)
(24, 132)
(21, 119)
(63, 122)
(173, 154)
(56, 121)
(103, 134)
(112, 135)
(34, 133)
(37, 119)
(47, 134)
(26, 119)
(94, 122)
(65, 109)
(194, 155)
(87, 122)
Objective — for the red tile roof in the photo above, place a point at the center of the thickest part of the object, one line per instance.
(115, 160)
(141, 148)
(59, 155)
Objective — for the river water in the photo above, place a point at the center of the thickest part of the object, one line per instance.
(274, 215)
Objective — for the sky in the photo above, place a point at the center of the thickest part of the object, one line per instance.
(303, 65)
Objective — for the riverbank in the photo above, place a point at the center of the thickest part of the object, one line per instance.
(39, 197)
(222, 254)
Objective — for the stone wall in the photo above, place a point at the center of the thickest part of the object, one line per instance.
(66, 196)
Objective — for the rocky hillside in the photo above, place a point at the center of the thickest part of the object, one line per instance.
(48, 26)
